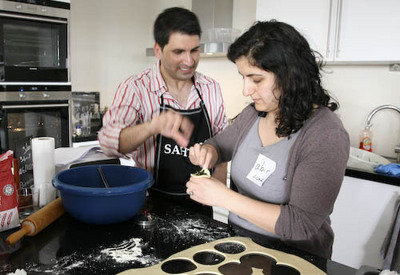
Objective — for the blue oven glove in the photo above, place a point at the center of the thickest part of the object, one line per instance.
(389, 169)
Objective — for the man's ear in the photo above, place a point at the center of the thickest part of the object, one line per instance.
(157, 50)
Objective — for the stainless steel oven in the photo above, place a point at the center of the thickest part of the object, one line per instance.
(34, 45)
(35, 88)
(34, 114)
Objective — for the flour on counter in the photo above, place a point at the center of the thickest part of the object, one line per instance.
(18, 272)
(62, 265)
(128, 251)
(121, 254)
(132, 252)
(189, 228)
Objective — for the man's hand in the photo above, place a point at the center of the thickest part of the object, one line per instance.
(172, 125)
(169, 124)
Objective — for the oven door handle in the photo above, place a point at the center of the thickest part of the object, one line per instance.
(10, 15)
(31, 106)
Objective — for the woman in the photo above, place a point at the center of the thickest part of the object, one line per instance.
(288, 149)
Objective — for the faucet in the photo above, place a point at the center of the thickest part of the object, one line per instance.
(377, 109)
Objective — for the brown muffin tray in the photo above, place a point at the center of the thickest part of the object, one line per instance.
(234, 255)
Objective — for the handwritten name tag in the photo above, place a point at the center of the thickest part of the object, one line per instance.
(262, 169)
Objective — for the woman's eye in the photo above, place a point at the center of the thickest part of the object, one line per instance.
(256, 81)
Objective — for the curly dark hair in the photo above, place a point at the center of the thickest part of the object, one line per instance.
(279, 48)
(172, 20)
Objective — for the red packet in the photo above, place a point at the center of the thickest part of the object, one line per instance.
(8, 194)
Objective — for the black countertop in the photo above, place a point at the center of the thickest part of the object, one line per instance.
(372, 176)
(71, 247)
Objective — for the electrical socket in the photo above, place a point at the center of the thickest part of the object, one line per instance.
(394, 67)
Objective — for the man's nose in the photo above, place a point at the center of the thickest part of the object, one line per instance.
(188, 59)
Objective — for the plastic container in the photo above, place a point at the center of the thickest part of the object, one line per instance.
(364, 160)
(78, 130)
(366, 139)
(85, 197)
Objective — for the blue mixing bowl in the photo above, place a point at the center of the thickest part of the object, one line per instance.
(85, 197)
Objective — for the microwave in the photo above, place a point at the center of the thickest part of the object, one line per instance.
(33, 45)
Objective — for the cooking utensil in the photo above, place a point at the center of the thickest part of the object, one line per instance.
(229, 256)
(39, 220)
(103, 177)
(85, 198)
(146, 220)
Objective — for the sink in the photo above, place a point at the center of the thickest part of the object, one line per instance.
(364, 160)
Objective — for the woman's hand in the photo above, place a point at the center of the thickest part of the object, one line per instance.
(212, 192)
(208, 191)
(203, 155)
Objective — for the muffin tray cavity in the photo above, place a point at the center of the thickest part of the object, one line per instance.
(235, 255)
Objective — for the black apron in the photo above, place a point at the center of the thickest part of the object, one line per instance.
(172, 166)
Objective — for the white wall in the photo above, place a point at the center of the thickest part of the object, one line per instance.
(108, 41)
(359, 89)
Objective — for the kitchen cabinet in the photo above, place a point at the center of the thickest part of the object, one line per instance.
(342, 31)
(361, 218)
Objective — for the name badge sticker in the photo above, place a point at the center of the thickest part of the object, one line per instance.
(262, 169)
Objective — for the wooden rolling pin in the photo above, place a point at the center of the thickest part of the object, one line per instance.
(39, 220)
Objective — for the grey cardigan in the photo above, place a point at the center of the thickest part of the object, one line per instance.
(315, 171)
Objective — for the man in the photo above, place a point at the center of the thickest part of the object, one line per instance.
(159, 113)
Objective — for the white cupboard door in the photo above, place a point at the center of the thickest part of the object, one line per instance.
(310, 17)
(368, 30)
(361, 218)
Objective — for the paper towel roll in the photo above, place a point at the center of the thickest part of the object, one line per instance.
(43, 168)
